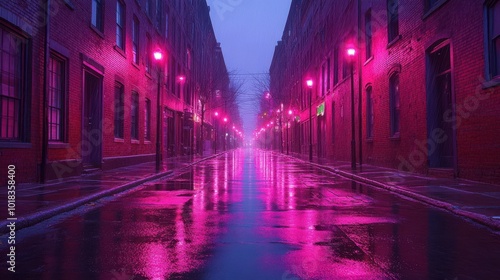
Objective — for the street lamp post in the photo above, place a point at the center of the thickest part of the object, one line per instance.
(281, 127)
(351, 52)
(310, 85)
(280, 112)
(290, 112)
(225, 132)
(269, 98)
(215, 122)
(233, 146)
(158, 57)
(181, 79)
(273, 131)
(268, 138)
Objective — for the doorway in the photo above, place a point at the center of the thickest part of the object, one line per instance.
(92, 120)
(168, 132)
(321, 136)
(440, 108)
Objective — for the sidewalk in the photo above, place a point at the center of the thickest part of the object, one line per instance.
(476, 201)
(36, 202)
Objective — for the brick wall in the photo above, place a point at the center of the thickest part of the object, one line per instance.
(23, 17)
(459, 23)
(86, 49)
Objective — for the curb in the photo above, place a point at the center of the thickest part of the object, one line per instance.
(478, 218)
(37, 217)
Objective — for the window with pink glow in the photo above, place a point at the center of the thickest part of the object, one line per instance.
(56, 99)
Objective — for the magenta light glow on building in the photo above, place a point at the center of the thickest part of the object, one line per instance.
(351, 52)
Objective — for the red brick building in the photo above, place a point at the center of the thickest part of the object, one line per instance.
(427, 72)
(102, 82)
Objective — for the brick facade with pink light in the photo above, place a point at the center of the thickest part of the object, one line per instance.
(427, 72)
(102, 83)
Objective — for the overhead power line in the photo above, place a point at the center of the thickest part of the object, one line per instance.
(249, 74)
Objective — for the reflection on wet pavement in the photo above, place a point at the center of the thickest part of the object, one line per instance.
(255, 215)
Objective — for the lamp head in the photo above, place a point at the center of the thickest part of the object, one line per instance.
(309, 83)
(158, 55)
(351, 52)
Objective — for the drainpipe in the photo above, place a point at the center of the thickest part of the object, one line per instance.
(45, 128)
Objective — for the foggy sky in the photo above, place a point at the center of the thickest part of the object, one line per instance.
(248, 31)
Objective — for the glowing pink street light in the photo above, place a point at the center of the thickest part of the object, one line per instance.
(351, 52)
(158, 55)
(309, 84)
(225, 132)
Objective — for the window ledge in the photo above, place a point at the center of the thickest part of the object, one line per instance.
(341, 81)
(369, 140)
(97, 31)
(148, 75)
(120, 51)
(58, 145)
(136, 65)
(368, 60)
(15, 145)
(491, 83)
(135, 141)
(395, 137)
(147, 142)
(433, 9)
(119, 140)
(335, 86)
(394, 41)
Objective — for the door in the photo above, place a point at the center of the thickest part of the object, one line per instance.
(168, 132)
(440, 109)
(321, 136)
(92, 120)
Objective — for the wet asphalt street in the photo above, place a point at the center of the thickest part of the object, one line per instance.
(251, 214)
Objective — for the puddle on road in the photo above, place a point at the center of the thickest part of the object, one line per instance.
(250, 215)
(171, 186)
